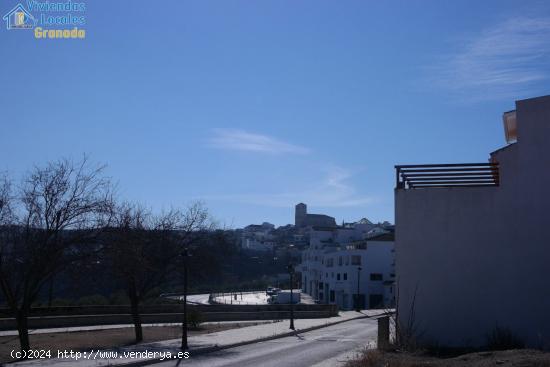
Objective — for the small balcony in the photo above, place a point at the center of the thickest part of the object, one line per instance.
(425, 176)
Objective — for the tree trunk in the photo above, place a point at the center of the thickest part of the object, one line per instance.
(23, 329)
(136, 317)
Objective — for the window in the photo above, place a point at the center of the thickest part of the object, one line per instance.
(340, 261)
(375, 276)
(355, 260)
(347, 260)
(332, 275)
(338, 276)
(331, 296)
(376, 300)
(345, 276)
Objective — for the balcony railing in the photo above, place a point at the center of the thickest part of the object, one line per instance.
(446, 175)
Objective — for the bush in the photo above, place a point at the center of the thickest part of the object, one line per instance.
(119, 298)
(62, 302)
(194, 319)
(94, 300)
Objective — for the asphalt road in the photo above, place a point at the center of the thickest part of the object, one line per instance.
(320, 348)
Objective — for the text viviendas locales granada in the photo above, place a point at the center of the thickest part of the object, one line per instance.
(59, 19)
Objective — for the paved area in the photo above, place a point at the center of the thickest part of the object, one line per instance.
(197, 299)
(245, 298)
(201, 343)
(330, 346)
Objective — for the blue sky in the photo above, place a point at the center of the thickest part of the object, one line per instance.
(253, 106)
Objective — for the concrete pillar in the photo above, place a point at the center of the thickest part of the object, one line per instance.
(383, 333)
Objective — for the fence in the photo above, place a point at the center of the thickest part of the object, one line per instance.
(109, 315)
(447, 175)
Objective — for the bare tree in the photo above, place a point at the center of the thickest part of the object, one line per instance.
(6, 200)
(131, 251)
(195, 221)
(54, 219)
(144, 248)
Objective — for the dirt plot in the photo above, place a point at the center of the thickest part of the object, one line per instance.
(507, 358)
(103, 339)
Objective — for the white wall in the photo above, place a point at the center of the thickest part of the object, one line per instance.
(479, 257)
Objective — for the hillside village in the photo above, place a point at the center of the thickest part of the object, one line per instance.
(364, 257)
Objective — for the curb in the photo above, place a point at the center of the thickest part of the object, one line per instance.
(215, 348)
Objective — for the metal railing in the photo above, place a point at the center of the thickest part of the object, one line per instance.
(446, 175)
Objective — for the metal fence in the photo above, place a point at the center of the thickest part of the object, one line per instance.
(447, 175)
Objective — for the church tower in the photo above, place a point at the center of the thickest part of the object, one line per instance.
(300, 215)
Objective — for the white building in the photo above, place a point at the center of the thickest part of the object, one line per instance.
(472, 241)
(339, 260)
(258, 237)
(253, 244)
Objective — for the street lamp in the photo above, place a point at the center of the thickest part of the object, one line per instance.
(291, 273)
(357, 308)
(185, 255)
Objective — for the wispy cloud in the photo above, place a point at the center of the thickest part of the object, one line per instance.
(333, 190)
(242, 140)
(503, 61)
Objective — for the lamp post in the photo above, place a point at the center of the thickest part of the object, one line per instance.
(357, 308)
(185, 255)
(291, 273)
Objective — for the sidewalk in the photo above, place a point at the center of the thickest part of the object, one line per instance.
(122, 326)
(202, 343)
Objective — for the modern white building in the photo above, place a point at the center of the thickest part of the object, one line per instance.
(473, 240)
(349, 267)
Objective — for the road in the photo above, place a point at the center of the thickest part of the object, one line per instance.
(325, 347)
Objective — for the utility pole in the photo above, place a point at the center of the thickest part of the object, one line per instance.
(357, 308)
(291, 273)
(185, 255)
